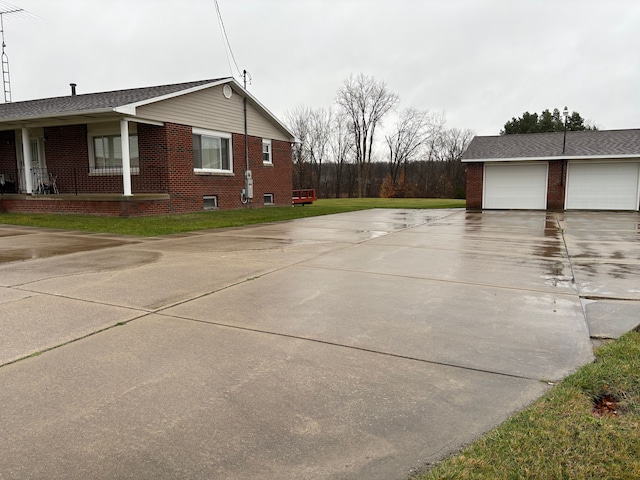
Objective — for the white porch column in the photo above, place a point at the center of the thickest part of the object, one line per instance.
(126, 159)
(26, 155)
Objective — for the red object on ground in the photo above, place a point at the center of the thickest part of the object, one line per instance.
(304, 196)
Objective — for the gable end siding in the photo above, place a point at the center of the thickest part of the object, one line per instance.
(210, 109)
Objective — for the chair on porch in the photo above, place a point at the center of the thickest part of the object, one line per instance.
(44, 182)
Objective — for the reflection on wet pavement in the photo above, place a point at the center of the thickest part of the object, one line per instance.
(40, 244)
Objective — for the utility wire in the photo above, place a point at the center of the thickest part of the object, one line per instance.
(225, 39)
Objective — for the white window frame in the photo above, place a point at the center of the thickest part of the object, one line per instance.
(213, 199)
(213, 134)
(273, 199)
(267, 143)
(108, 130)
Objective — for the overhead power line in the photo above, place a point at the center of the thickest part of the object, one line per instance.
(225, 39)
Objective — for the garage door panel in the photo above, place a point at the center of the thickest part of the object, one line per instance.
(515, 186)
(603, 186)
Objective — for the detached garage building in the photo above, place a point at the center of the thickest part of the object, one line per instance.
(589, 170)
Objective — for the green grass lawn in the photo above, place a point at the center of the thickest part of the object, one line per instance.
(168, 224)
(560, 436)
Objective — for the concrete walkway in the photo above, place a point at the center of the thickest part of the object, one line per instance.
(354, 346)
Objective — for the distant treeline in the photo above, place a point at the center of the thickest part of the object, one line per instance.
(339, 155)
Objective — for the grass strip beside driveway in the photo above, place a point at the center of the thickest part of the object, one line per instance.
(189, 222)
(587, 426)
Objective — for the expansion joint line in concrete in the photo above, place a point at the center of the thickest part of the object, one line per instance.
(74, 340)
(206, 294)
(440, 280)
(573, 273)
(350, 347)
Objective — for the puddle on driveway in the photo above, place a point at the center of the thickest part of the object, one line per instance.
(45, 245)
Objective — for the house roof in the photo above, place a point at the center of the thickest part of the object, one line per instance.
(537, 146)
(57, 106)
(98, 106)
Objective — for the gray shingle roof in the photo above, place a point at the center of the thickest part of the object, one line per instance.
(586, 143)
(90, 101)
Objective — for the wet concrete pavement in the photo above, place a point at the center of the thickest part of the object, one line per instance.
(360, 345)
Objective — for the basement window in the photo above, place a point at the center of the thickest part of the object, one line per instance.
(210, 202)
(268, 199)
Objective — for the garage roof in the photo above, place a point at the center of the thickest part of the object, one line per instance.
(538, 146)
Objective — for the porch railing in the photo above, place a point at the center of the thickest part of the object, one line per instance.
(84, 180)
(10, 181)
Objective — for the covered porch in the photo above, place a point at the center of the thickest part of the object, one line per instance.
(84, 167)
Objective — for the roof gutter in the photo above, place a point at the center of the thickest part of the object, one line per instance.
(564, 157)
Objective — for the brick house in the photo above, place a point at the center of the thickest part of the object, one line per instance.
(186, 151)
(586, 170)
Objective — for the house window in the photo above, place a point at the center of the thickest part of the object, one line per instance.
(210, 202)
(266, 152)
(268, 199)
(211, 151)
(107, 152)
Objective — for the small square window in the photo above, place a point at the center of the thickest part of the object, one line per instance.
(210, 202)
(266, 152)
(268, 199)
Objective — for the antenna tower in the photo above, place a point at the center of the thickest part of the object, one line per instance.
(5, 60)
(6, 9)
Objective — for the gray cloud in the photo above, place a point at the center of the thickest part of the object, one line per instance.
(481, 62)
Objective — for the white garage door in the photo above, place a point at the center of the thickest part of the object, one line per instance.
(515, 186)
(603, 186)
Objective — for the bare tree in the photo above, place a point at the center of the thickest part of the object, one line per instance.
(341, 149)
(320, 129)
(413, 130)
(313, 129)
(365, 102)
(298, 122)
(453, 143)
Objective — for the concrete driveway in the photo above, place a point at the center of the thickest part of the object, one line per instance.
(352, 346)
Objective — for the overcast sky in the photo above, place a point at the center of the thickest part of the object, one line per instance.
(481, 61)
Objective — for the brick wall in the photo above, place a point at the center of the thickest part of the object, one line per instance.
(187, 188)
(8, 160)
(166, 167)
(475, 175)
(556, 184)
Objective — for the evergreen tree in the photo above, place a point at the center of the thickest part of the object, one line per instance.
(545, 122)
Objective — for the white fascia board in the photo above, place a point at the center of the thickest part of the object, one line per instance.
(177, 94)
(545, 159)
(142, 120)
(125, 110)
(58, 115)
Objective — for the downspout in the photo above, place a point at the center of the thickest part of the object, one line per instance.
(246, 195)
(246, 136)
